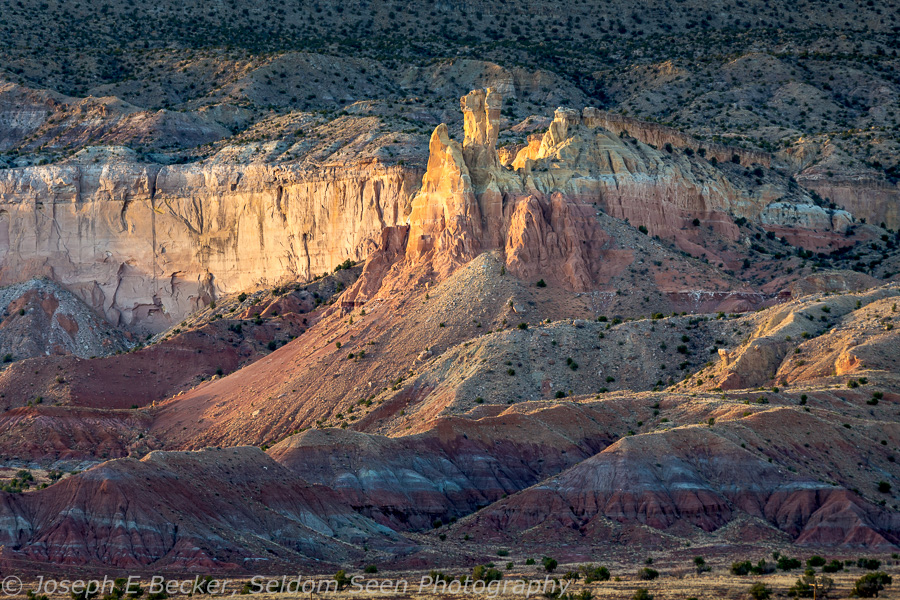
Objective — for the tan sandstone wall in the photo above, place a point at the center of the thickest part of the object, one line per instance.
(145, 245)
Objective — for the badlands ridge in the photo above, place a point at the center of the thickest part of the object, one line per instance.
(596, 343)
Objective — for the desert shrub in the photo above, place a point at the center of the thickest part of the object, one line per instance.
(884, 487)
(438, 576)
(594, 573)
(550, 564)
(815, 561)
(869, 564)
(802, 588)
(786, 564)
(759, 591)
(833, 567)
(762, 568)
(485, 573)
(648, 574)
(370, 569)
(870, 584)
(700, 564)
(642, 594)
(341, 579)
(541, 283)
(741, 568)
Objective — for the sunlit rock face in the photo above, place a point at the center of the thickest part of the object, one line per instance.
(145, 245)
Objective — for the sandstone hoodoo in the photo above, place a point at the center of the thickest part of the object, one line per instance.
(479, 373)
(541, 211)
(608, 298)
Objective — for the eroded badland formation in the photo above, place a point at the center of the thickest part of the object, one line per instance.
(276, 302)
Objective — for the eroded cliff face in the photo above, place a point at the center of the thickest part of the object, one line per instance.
(876, 200)
(145, 245)
(660, 135)
(541, 207)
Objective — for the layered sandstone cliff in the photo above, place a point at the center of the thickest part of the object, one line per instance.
(145, 245)
(660, 135)
(870, 198)
(541, 210)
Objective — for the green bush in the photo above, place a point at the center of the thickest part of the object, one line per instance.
(594, 573)
(642, 594)
(550, 564)
(870, 584)
(759, 591)
(815, 561)
(341, 579)
(741, 568)
(786, 564)
(762, 568)
(438, 576)
(485, 573)
(833, 567)
(648, 574)
(700, 564)
(811, 585)
(370, 569)
(869, 564)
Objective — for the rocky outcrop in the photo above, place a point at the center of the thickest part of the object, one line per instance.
(72, 436)
(763, 358)
(40, 318)
(33, 119)
(213, 510)
(685, 479)
(144, 245)
(875, 200)
(832, 281)
(660, 135)
(206, 345)
(455, 468)
(542, 214)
